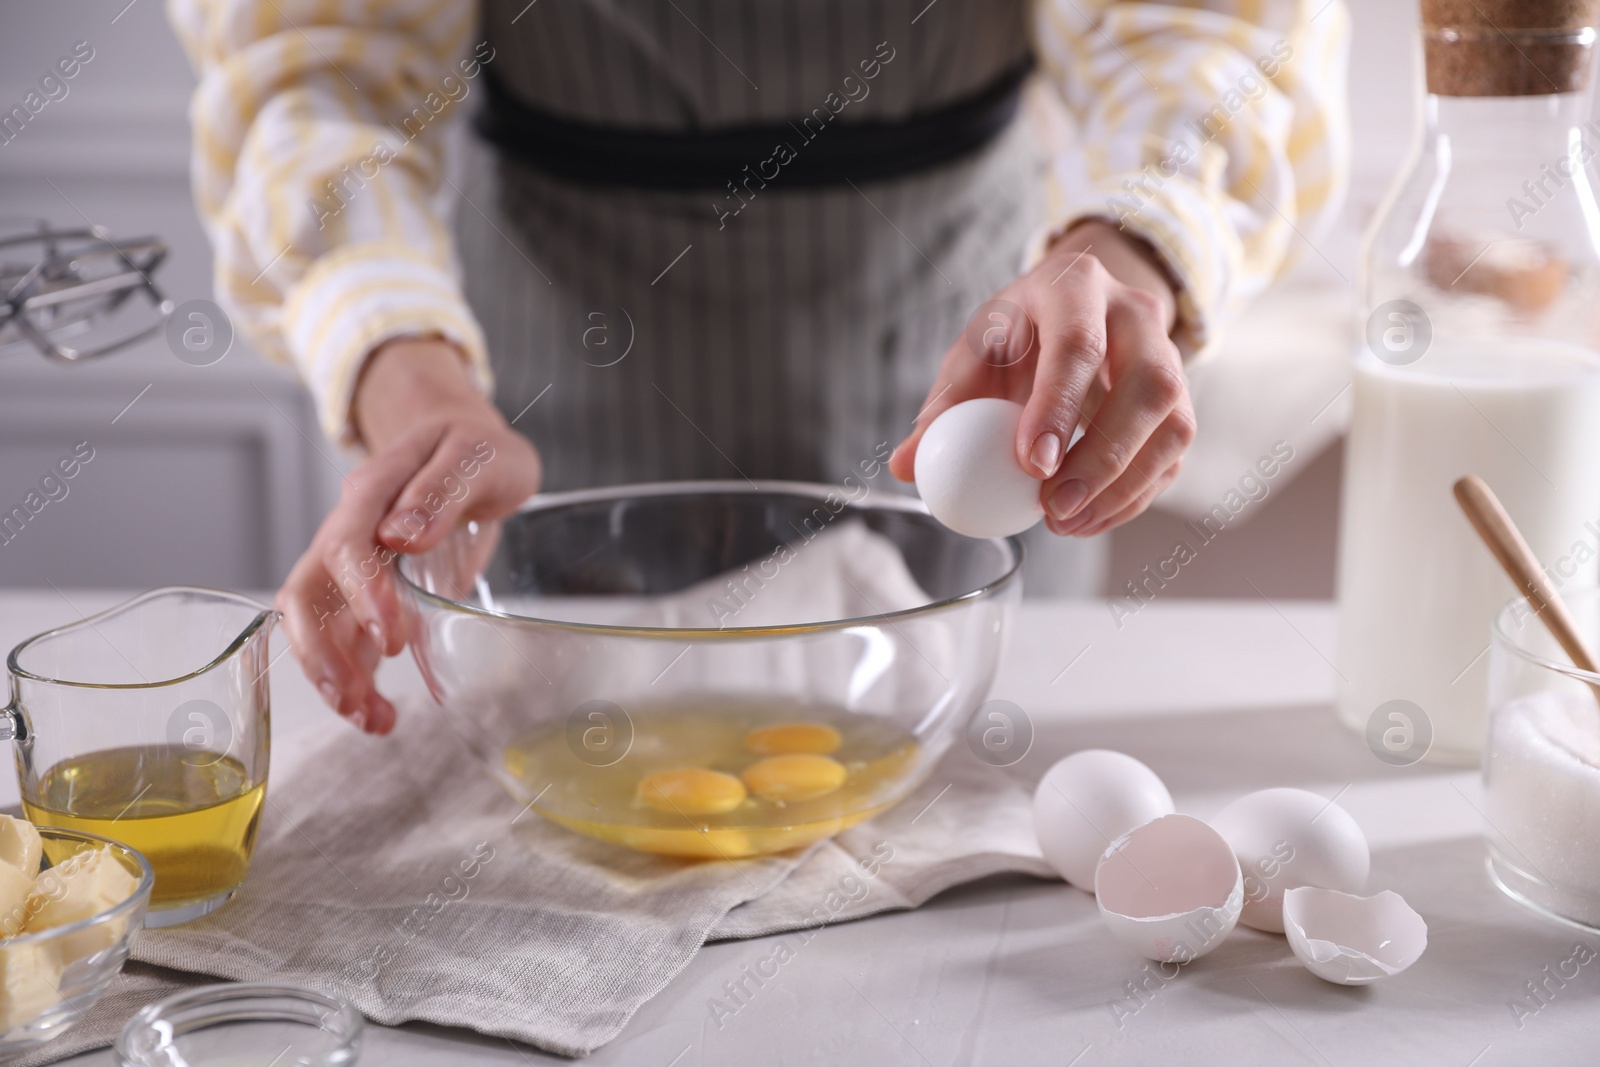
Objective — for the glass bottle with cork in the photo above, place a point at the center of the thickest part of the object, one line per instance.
(1480, 289)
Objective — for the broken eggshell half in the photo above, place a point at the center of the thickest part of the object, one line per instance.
(1349, 939)
(1171, 889)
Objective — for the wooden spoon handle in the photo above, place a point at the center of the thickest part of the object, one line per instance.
(1489, 518)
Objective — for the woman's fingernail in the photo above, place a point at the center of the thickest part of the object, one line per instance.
(1082, 523)
(376, 631)
(1046, 454)
(1078, 524)
(1068, 497)
(406, 526)
(358, 719)
(330, 693)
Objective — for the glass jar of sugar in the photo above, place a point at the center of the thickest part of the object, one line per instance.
(1541, 770)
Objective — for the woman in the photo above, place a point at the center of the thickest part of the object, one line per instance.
(727, 238)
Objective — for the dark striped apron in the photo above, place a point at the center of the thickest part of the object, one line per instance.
(757, 331)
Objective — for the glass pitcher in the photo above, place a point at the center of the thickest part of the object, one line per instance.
(1480, 282)
(149, 724)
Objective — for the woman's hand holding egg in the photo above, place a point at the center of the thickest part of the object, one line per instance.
(1081, 338)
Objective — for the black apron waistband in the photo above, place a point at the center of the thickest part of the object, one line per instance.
(808, 151)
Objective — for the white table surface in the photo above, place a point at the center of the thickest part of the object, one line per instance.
(1219, 698)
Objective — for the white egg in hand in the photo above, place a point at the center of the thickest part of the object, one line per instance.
(1088, 800)
(967, 470)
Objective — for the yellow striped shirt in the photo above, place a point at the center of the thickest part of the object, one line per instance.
(1214, 129)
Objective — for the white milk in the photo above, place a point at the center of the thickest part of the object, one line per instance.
(1542, 801)
(1417, 588)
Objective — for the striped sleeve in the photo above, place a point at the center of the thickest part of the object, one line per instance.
(316, 167)
(1216, 130)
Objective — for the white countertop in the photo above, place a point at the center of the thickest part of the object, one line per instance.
(1220, 698)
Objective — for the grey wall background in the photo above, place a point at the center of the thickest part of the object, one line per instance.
(218, 475)
(215, 475)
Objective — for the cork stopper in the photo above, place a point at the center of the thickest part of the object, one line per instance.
(1508, 47)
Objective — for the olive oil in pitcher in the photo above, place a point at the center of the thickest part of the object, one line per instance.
(193, 814)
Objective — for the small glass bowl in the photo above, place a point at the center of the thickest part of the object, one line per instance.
(238, 1022)
(1541, 785)
(90, 952)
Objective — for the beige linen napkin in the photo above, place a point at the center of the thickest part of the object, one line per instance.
(396, 873)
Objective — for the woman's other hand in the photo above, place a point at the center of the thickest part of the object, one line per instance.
(440, 454)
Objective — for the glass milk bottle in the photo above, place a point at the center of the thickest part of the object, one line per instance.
(1481, 290)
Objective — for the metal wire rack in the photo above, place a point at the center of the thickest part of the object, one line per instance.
(77, 294)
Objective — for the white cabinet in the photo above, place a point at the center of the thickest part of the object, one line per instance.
(200, 482)
(215, 475)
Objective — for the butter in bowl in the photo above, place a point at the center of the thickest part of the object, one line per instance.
(64, 929)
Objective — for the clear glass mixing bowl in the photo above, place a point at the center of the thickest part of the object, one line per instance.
(619, 657)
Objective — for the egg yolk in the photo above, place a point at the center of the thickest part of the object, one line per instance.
(794, 778)
(692, 791)
(791, 738)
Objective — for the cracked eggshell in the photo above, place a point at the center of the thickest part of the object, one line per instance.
(1171, 889)
(1088, 800)
(1286, 838)
(1349, 939)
